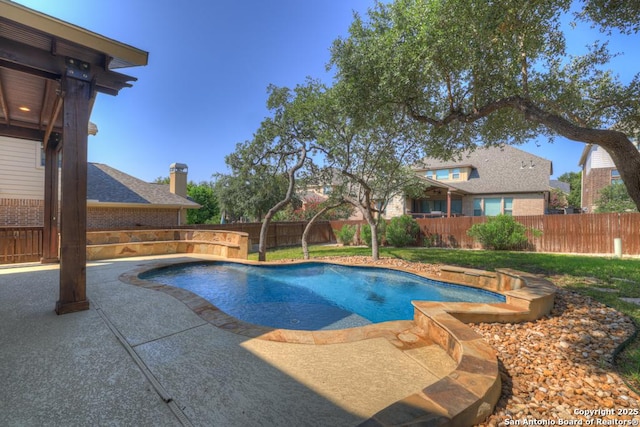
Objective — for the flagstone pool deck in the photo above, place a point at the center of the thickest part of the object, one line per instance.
(143, 357)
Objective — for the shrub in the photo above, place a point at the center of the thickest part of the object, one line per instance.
(365, 232)
(501, 232)
(345, 234)
(429, 240)
(402, 231)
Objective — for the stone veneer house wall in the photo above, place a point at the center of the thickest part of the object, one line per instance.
(114, 199)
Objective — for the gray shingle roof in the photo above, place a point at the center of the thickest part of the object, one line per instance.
(497, 170)
(560, 185)
(108, 185)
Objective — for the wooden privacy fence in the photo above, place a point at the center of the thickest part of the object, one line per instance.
(584, 233)
(20, 244)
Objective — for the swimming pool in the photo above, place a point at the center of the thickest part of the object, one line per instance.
(312, 296)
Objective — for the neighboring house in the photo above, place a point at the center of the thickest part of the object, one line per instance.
(598, 171)
(558, 198)
(484, 182)
(487, 181)
(114, 199)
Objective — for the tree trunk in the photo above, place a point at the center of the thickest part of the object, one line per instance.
(622, 151)
(365, 208)
(375, 250)
(262, 245)
(627, 160)
(305, 234)
(624, 154)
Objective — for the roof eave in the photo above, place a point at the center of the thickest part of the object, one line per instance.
(127, 56)
(97, 203)
(585, 153)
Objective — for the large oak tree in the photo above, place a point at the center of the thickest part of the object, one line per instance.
(478, 72)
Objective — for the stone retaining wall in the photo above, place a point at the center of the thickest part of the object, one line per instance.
(128, 243)
(468, 395)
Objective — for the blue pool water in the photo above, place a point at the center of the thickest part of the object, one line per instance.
(312, 296)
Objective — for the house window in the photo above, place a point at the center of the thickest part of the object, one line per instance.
(455, 173)
(508, 206)
(492, 207)
(430, 175)
(439, 205)
(40, 160)
(456, 206)
(615, 177)
(477, 207)
(442, 174)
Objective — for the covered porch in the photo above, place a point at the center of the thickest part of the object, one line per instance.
(50, 74)
(437, 201)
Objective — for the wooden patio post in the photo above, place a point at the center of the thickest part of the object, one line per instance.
(50, 231)
(448, 203)
(73, 233)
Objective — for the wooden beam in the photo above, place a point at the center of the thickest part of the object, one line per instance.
(50, 242)
(57, 106)
(44, 104)
(73, 225)
(14, 131)
(3, 104)
(28, 59)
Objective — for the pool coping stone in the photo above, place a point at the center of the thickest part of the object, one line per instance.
(464, 397)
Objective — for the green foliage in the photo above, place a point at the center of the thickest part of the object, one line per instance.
(297, 211)
(345, 234)
(249, 196)
(162, 180)
(501, 232)
(429, 240)
(365, 233)
(558, 199)
(485, 73)
(574, 179)
(615, 198)
(204, 195)
(402, 231)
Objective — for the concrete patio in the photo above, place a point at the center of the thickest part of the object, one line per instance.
(141, 357)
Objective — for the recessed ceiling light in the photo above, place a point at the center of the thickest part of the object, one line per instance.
(25, 109)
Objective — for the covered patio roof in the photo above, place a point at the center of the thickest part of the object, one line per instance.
(36, 51)
(50, 73)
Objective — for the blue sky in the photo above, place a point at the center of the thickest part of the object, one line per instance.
(210, 62)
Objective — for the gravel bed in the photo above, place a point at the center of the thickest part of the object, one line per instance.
(559, 369)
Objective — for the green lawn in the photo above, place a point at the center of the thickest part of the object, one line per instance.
(603, 278)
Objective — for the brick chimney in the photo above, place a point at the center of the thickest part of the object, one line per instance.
(178, 179)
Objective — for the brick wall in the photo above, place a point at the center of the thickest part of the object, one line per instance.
(101, 218)
(21, 213)
(30, 213)
(529, 204)
(594, 181)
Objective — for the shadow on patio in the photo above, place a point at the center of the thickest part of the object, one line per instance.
(140, 357)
